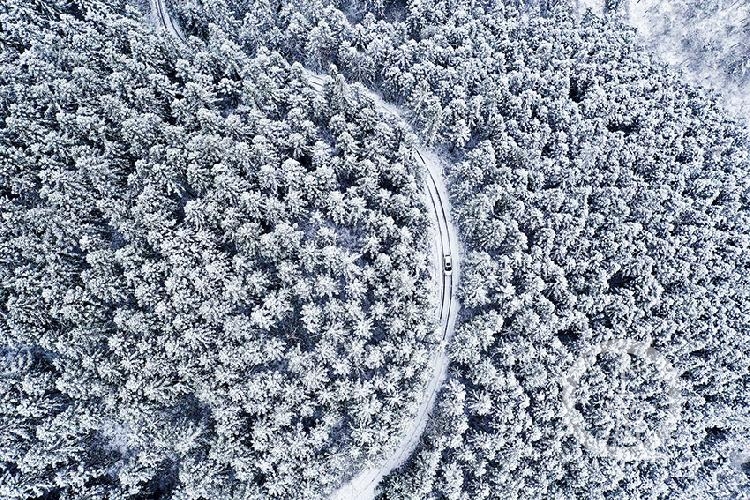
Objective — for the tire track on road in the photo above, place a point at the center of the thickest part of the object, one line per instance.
(364, 484)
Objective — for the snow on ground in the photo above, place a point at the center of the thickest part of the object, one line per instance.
(364, 484)
(596, 6)
(709, 40)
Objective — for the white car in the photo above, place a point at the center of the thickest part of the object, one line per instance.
(447, 265)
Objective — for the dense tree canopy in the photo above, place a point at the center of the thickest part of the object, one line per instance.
(214, 279)
(603, 206)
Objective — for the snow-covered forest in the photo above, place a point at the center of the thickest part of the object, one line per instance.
(217, 282)
(709, 40)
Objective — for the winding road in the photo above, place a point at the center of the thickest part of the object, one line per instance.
(159, 10)
(363, 485)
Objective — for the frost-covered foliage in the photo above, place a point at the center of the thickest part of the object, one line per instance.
(213, 280)
(603, 204)
(709, 39)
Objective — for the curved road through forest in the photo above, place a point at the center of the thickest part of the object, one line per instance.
(364, 484)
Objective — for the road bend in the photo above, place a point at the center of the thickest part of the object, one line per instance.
(363, 485)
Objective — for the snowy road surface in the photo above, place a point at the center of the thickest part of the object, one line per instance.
(159, 10)
(364, 483)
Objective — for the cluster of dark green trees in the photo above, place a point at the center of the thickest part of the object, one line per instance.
(214, 281)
